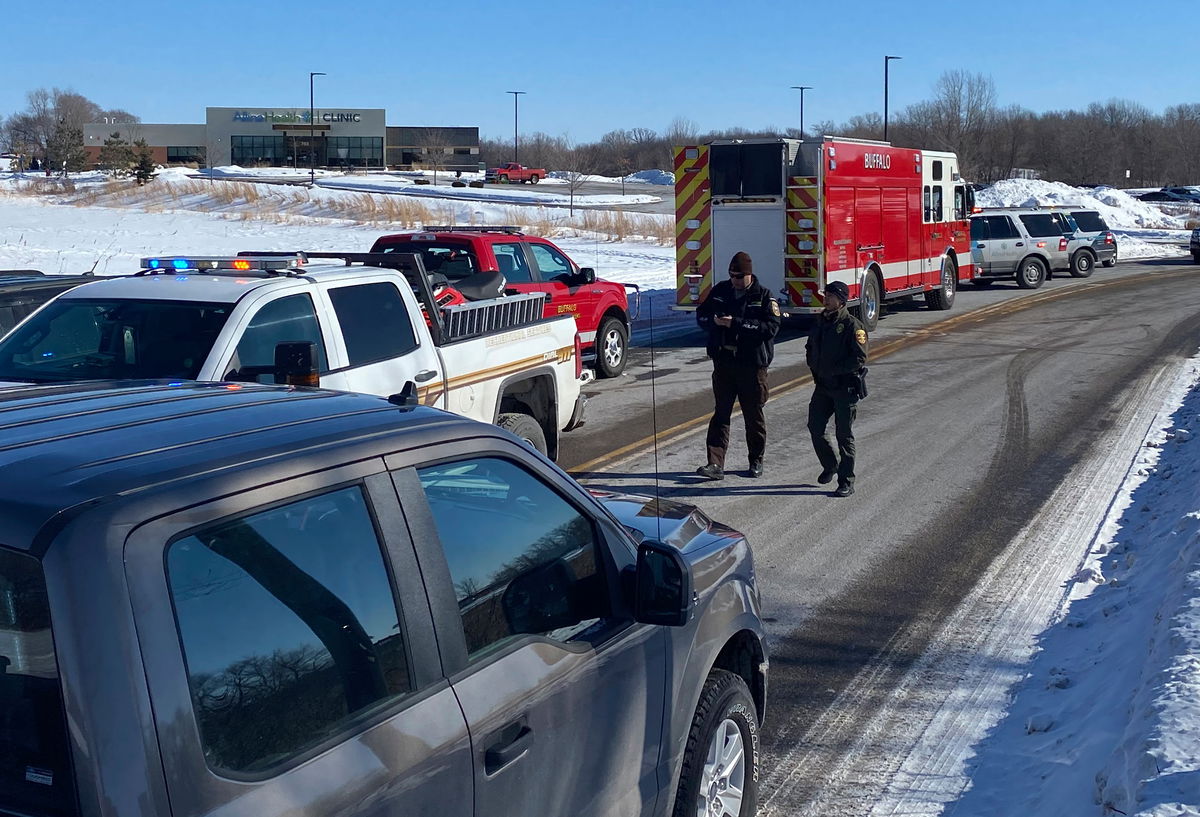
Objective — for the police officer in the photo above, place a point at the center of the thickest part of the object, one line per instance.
(836, 353)
(741, 319)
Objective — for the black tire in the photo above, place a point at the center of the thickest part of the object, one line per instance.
(1112, 262)
(943, 298)
(525, 427)
(502, 180)
(533, 179)
(612, 347)
(1083, 264)
(869, 302)
(1031, 274)
(1196, 258)
(983, 282)
(724, 697)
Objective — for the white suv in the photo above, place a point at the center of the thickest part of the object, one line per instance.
(1022, 244)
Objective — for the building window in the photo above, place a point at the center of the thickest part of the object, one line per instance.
(185, 155)
(355, 151)
(253, 151)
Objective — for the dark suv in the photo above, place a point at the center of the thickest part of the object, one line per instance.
(252, 600)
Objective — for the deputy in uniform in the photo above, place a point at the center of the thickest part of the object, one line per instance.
(741, 319)
(836, 353)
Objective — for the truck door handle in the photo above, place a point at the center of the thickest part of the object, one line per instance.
(513, 742)
(428, 374)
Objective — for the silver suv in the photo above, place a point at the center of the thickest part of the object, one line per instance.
(1023, 244)
(1093, 226)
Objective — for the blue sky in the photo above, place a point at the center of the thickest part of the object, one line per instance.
(590, 67)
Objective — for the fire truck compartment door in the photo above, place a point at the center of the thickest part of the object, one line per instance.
(754, 229)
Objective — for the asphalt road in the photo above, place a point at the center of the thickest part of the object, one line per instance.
(975, 418)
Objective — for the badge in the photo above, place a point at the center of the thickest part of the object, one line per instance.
(775, 307)
(840, 327)
(860, 335)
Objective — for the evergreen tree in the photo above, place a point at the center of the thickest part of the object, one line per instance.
(143, 168)
(116, 156)
(66, 145)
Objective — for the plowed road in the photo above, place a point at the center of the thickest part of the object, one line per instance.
(994, 436)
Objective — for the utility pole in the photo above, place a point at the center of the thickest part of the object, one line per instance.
(802, 89)
(516, 95)
(886, 62)
(312, 127)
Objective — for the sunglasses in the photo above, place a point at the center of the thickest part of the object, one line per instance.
(738, 274)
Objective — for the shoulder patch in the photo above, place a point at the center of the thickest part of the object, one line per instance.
(775, 308)
(860, 335)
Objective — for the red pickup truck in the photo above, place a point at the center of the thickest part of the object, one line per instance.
(530, 264)
(513, 172)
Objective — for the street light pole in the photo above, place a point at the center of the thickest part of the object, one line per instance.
(515, 94)
(802, 89)
(886, 62)
(312, 127)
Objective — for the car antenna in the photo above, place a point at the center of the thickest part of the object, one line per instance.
(654, 426)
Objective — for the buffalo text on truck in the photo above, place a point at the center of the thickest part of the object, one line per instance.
(888, 222)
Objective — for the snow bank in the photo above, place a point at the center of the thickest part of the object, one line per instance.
(662, 177)
(1108, 719)
(1120, 210)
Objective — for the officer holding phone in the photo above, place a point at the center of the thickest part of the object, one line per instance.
(741, 319)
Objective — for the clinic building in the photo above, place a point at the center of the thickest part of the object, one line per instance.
(289, 137)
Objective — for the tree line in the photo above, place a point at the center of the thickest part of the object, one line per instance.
(1119, 143)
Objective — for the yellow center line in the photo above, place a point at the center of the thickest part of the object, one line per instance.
(984, 313)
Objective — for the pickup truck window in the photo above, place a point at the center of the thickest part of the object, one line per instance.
(325, 642)
(510, 259)
(286, 319)
(35, 761)
(86, 339)
(375, 324)
(551, 262)
(523, 560)
(454, 260)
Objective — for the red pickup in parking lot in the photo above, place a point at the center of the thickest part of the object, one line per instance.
(530, 264)
(513, 172)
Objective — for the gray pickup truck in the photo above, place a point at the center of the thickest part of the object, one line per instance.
(240, 599)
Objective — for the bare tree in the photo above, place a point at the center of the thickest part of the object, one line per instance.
(581, 163)
(436, 146)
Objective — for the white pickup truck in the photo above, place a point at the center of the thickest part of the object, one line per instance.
(356, 325)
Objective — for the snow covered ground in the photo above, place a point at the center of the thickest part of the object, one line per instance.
(1107, 719)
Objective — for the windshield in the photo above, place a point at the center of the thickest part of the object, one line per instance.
(450, 258)
(92, 339)
(1090, 221)
(35, 761)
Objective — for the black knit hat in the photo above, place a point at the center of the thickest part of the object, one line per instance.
(840, 290)
(741, 263)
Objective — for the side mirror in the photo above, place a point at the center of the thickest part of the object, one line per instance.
(407, 396)
(662, 586)
(296, 363)
(586, 275)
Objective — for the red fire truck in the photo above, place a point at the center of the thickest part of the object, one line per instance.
(889, 222)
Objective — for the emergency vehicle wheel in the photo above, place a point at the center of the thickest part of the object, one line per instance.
(612, 347)
(526, 428)
(1032, 273)
(944, 298)
(868, 302)
(1083, 264)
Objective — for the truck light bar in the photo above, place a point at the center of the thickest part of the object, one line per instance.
(182, 263)
(450, 228)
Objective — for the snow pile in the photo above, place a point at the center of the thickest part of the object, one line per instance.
(652, 177)
(1120, 210)
(1108, 719)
